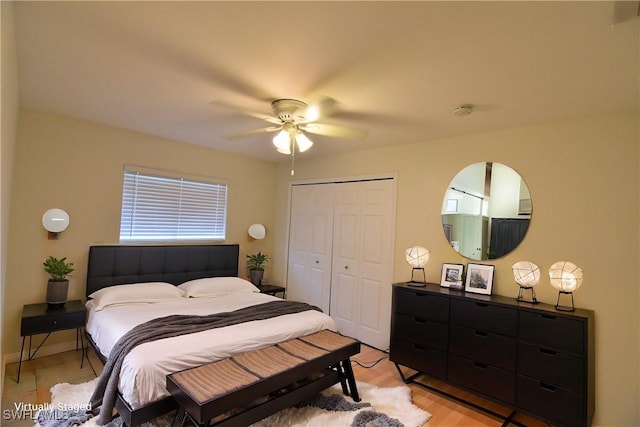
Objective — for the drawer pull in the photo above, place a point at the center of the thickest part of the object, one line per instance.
(480, 365)
(419, 320)
(481, 333)
(420, 295)
(482, 304)
(54, 322)
(548, 387)
(548, 316)
(419, 347)
(548, 352)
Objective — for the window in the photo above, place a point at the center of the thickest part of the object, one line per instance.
(157, 207)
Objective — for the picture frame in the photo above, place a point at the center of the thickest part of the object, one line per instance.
(452, 276)
(479, 278)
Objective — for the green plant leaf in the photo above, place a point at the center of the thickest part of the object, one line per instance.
(58, 269)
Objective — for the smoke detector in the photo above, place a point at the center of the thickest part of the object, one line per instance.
(463, 110)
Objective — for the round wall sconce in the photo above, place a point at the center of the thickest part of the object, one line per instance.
(55, 221)
(257, 231)
(526, 275)
(417, 257)
(566, 277)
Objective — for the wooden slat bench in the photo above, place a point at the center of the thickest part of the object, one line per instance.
(248, 387)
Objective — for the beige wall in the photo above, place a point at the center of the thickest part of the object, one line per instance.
(77, 166)
(584, 182)
(8, 124)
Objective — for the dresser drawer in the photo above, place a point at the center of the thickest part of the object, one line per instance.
(487, 317)
(421, 331)
(49, 323)
(487, 379)
(551, 367)
(421, 304)
(487, 347)
(419, 357)
(552, 332)
(555, 403)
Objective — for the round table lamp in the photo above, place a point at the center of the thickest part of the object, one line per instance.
(527, 275)
(566, 277)
(417, 257)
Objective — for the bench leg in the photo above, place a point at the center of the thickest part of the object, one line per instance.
(181, 419)
(343, 378)
(351, 379)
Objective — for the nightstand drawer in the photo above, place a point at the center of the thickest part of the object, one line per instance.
(493, 349)
(553, 332)
(422, 305)
(421, 331)
(40, 318)
(487, 317)
(551, 367)
(38, 325)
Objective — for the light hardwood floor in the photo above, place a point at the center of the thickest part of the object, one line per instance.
(40, 374)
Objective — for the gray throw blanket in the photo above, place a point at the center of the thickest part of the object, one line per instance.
(103, 398)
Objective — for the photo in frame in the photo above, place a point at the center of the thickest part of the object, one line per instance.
(452, 276)
(479, 278)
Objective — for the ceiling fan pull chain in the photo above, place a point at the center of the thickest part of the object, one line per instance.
(293, 155)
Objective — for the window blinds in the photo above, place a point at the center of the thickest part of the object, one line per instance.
(167, 208)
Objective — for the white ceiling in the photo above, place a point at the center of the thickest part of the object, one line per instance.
(398, 69)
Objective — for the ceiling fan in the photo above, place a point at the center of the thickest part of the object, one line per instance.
(293, 119)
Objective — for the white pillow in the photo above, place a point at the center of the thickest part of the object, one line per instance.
(216, 286)
(135, 293)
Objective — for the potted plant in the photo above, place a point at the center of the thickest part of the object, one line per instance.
(58, 285)
(255, 265)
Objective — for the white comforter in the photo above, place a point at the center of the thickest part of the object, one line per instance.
(142, 379)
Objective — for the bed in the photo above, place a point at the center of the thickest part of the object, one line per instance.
(203, 280)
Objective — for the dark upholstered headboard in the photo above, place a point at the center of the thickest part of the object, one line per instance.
(120, 265)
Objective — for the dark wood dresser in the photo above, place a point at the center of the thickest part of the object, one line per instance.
(530, 357)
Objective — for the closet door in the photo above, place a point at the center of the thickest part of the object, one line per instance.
(362, 266)
(310, 245)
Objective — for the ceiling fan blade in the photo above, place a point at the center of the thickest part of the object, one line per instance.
(319, 108)
(251, 113)
(336, 131)
(252, 132)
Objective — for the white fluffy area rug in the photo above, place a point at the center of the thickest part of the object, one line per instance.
(379, 407)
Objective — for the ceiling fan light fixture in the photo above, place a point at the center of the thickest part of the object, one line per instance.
(303, 142)
(282, 141)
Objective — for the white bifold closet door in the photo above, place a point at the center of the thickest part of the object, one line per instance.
(341, 254)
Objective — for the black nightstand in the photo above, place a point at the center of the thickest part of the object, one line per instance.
(42, 319)
(272, 289)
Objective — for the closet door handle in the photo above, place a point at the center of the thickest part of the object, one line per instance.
(317, 262)
(346, 267)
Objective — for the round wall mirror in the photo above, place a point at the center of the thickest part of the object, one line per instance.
(55, 220)
(486, 211)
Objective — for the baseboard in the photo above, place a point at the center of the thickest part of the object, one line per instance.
(44, 351)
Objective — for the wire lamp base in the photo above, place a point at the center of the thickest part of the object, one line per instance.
(522, 298)
(563, 307)
(415, 283)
